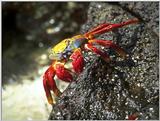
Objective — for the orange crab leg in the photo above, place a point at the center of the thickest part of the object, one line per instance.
(109, 27)
(97, 51)
(109, 43)
(77, 61)
(49, 84)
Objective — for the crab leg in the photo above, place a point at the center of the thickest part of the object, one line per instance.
(49, 84)
(109, 27)
(97, 28)
(77, 60)
(97, 51)
(108, 43)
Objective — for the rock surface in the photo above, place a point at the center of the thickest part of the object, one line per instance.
(116, 90)
(148, 12)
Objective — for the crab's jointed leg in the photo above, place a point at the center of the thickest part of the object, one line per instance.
(97, 28)
(108, 27)
(109, 43)
(97, 51)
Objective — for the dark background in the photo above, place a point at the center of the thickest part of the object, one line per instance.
(29, 26)
(29, 30)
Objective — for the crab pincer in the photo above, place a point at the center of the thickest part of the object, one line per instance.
(50, 85)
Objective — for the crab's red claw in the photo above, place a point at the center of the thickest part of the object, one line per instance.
(49, 84)
(47, 91)
(63, 73)
(78, 61)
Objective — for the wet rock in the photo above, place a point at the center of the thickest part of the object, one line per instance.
(115, 90)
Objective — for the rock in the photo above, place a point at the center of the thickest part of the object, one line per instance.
(115, 91)
(148, 12)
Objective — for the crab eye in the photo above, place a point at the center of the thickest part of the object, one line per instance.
(65, 56)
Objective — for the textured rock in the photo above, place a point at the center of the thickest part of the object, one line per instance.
(148, 12)
(115, 90)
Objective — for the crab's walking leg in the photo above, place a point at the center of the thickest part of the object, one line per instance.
(77, 60)
(109, 27)
(108, 43)
(49, 84)
(97, 51)
(99, 27)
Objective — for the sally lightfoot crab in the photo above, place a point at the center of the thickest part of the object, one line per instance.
(71, 50)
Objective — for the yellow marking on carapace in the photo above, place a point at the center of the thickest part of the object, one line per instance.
(60, 47)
